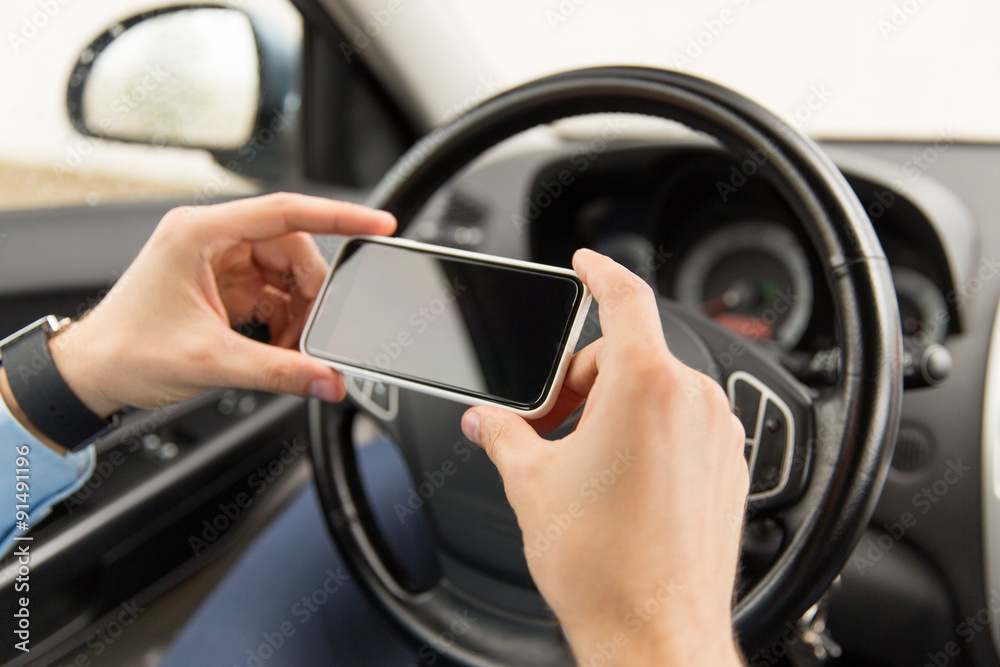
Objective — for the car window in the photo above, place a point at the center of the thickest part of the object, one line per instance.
(179, 87)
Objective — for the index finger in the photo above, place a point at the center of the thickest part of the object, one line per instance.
(627, 306)
(270, 216)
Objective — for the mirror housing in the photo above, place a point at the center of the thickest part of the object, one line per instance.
(235, 94)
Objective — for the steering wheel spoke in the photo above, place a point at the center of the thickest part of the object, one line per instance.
(775, 408)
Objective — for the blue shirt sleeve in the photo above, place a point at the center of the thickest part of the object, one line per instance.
(47, 478)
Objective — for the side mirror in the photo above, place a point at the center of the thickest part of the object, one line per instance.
(196, 77)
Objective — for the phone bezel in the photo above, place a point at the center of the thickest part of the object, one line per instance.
(550, 392)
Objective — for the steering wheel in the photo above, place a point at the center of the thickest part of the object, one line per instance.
(818, 458)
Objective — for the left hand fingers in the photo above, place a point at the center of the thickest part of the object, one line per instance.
(261, 218)
(292, 263)
(285, 319)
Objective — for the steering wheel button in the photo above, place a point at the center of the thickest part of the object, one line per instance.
(771, 450)
(380, 396)
(746, 404)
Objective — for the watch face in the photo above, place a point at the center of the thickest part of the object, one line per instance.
(48, 324)
(40, 391)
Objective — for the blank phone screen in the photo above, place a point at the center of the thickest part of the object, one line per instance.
(465, 325)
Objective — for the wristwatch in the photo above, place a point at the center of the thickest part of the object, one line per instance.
(40, 391)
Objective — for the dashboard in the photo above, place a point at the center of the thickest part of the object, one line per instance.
(695, 225)
(702, 230)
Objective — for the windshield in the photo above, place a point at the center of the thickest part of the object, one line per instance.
(852, 69)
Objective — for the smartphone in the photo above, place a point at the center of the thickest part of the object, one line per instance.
(474, 328)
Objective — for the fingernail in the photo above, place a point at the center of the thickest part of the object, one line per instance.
(470, 426)
(389, 218)
(325, 390)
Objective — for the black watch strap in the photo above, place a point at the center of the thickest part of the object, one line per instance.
(42, 394)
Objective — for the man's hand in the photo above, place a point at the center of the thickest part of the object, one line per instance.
(632, 523)
(164, 331)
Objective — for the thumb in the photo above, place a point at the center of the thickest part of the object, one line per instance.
(499, 432)
(262, 367)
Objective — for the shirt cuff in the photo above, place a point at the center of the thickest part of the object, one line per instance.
(33, 478)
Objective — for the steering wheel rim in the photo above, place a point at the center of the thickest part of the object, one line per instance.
(856, 422)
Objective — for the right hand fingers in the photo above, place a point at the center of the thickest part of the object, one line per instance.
(502, 434)
(580, 378)
(627, 306)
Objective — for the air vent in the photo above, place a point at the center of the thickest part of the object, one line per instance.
(914, 448)
(461, 210)
(458, 223)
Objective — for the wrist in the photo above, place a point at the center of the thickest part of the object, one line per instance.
(80, 364)
(690, 633)
(648, 646)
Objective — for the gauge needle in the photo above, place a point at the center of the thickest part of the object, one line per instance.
(737, 294)
(747, 326)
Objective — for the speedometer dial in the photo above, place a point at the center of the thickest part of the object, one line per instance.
(923, 312)
(753, 277)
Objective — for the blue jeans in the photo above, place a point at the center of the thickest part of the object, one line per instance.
(290, 601)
